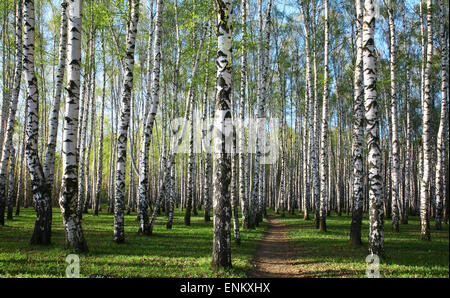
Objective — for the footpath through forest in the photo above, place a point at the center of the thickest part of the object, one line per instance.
(274, 255)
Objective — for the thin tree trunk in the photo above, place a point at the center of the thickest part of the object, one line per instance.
(88, 182)
(171, 192)
(40, 189)
(234, 197)
(221, 254)
(49, 162)
(206, 141)
(408, 150)
(394, 139)
(11, 187)
(376, 229)
(124, 121)
(242, 154)
(7, 142)
(98, 188)
(143, 204)
(309, 118)
(323, 143)
(83, 137)
(440, 154)
(190, 203)
(358, 133)
(426, 134)
(22, 177)
(68, 200)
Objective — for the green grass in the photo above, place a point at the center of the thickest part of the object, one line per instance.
(186, 251)
(180, 252)
(329, 254)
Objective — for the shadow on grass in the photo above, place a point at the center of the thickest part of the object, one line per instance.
(406, 255)
(183, 251)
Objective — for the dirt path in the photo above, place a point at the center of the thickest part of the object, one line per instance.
(273, 257)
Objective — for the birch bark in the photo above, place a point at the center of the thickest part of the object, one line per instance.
(426, 134)
(376, 229)
(221, 255)
(69, 192)
(324, 128)
(7, 143)
(358, 132)
(440, 154)
(124, 120)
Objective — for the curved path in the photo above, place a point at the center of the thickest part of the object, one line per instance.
(273, 257)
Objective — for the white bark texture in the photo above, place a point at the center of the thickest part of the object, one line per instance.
(426, 133)
(324, 128)
(221, 254)
(124, 121)
(394, 136)
(49, 162)
(7, 144)
(376, 216)
(143, 201)
(69, 192)
(358, 133)
(440, 154)
(242, 167)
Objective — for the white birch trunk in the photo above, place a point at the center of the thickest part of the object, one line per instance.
(394, 137)
(221, 254)
(143, 203)
(40, 190)
(242, 166)
(7, 141)
(426, 134)
(376, 229)
(440, 154)
(124, 121)
(69, 193)
(49, 162)
(358, 133)
(324, 128)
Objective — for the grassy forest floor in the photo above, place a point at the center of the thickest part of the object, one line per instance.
(186, 251)
(319, 254)
(180, 252)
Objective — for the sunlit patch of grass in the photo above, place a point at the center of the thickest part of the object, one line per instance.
(180, 252)
(329, 254)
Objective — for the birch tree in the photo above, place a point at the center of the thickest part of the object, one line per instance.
(242, 154)
(440, 154)
(221, 254)
(408, 152)
(206, 142)
(49, 161)
(358, 132)
(40, 190)
(11, 189)
(98, 188)
(376, 216)
(7, 144)
(144, 226)
(175, 101)
(426, 133)
(309, 133)
(393, 112)
(22, 172)
(324, 128)
(69, 189)
(124, 121)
